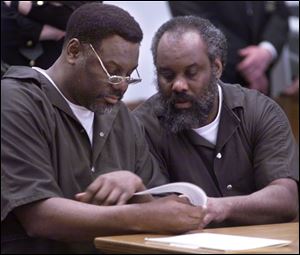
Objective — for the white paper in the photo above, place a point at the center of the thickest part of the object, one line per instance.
(194, 193)
(220, 241)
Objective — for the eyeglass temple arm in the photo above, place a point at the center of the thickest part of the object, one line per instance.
(138, 73)
(102, 65)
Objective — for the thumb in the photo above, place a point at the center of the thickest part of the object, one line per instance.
(82, 197)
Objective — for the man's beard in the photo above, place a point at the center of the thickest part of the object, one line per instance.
(176, 120)
(101, 109)
(104, 108)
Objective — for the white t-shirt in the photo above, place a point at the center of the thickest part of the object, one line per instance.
(210, 131)
(85, 116)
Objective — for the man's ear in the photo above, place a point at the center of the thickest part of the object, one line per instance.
(219, 67)
(73, 50)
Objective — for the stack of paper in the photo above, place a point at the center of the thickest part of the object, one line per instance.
(219, 241)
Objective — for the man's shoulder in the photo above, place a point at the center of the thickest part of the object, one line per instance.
(22, 86)
(21, 72)
(147, 108)
(237, 96)
(253, 103)
(21, 77)
(148, 116)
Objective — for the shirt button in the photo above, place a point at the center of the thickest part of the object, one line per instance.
(32, 62)
(219, 155)
(29, 43)
(93, 169)
(229, 187)
(101, 134)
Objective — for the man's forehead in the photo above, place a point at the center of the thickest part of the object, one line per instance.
(187, 47)
(118, 50)
(175, 39)
(116, 42)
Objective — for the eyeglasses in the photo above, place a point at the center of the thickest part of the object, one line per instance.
(116, 79)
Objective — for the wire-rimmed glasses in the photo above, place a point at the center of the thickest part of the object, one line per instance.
(116, 79)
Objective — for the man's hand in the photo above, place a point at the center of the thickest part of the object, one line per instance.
(8, 3)
(261, 84)
(217, 210)
(51, 33)
(256, 61)
(114, 188)
(24, 7)
(171, 214)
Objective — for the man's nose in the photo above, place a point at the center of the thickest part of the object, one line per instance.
(180, 85)
(123, 85)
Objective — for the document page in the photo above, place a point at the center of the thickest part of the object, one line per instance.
(219, 241)
(195, 194)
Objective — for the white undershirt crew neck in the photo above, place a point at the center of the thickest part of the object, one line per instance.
(210, 131)
(85, 116)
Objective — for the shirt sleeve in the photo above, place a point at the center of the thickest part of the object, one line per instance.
(27, 174)
(275, 152)
(269, 47)
(277, 27)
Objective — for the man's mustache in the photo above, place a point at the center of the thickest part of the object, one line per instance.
(180, 96)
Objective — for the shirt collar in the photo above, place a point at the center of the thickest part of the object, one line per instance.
(233, 95)
(27, 73)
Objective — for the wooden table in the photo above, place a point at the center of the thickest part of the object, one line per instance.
(135, 244)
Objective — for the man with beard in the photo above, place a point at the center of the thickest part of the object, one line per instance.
(235, 143)
(70, 147)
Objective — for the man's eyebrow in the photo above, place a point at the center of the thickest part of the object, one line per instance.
(192, 65)
(164, 69)
(118, 66)
(170, 69)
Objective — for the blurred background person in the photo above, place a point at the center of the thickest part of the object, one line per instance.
(256, 32)
(292, 90)
(32, 32)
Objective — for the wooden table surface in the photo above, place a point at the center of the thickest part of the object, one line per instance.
(136, 244)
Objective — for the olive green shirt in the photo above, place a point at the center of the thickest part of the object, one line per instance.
(45, 151)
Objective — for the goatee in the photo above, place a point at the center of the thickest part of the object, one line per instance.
(105, 108)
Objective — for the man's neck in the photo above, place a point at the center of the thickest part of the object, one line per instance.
(59, 75)
(214, 111)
